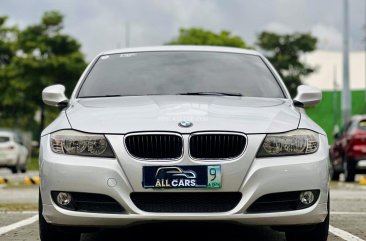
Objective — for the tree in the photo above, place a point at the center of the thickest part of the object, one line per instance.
(7, 50)
(8, 37)
(199, 36)
(284, 52)
(44, 56)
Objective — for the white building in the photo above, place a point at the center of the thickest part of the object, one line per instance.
(328, 62)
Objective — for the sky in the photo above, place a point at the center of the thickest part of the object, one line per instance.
(100, 24)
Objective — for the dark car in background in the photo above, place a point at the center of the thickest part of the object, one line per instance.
(348, 153)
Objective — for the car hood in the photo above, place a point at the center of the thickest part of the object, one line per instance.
(121, 115)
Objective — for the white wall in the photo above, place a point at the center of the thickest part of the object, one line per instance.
(326, 61)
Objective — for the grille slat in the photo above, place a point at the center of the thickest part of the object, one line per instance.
(155, 146)
(151, 148)
(227, 146)
(216, 145)
(186, 202)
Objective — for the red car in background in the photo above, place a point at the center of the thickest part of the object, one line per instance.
(348, 153)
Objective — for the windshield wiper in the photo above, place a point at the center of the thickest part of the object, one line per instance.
(187, 93)
(99, 96)
(211, 93)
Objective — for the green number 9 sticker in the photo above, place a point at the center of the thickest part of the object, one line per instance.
(214, 176)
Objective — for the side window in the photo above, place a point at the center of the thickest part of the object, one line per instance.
(346, 128)
(351, 126)
(4, 139)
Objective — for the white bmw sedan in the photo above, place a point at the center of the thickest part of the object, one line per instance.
(183, 133)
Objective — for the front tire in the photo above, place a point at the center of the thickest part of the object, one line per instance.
(335, 176)
(49, 232)
(349, 170)
(24, 168)
(16, 168)
(318, 233)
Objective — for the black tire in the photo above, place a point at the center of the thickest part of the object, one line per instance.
(24, 168)
(335, 176)
(349, 170)
(49, 232)
(15, 169)
(318, 232)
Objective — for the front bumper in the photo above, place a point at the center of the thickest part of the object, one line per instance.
(248, 175)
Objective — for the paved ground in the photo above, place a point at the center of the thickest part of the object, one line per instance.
(212, 232)
(23, 195)
(19, 195)
(348, 214)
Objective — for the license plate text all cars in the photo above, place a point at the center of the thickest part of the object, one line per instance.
(182, 177)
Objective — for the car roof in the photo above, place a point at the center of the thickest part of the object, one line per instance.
(10, 132)
(6, 133)
(197, 48)
(358, 117)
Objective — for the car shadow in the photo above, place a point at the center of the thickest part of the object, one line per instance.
(187, 231)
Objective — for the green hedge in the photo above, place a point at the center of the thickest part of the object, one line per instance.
(323, 114)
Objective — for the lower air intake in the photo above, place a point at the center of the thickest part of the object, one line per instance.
(281, 202)
(90, 202)
(186, 202)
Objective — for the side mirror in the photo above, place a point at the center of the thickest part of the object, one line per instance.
(307, 96)
(54, 95)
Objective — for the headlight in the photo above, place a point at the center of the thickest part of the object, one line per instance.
(296, 142)
(82, 144)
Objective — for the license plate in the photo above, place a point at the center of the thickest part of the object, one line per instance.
(170, 177)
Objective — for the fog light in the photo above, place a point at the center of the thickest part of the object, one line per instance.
(64, 198)
(307, 197)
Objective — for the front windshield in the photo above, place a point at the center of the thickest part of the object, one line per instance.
(180, 72)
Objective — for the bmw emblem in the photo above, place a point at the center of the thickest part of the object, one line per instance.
(185, 124)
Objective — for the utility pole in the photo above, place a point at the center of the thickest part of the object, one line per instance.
(127, 35)
(346, 95)
(364, 28)
(335, 101)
